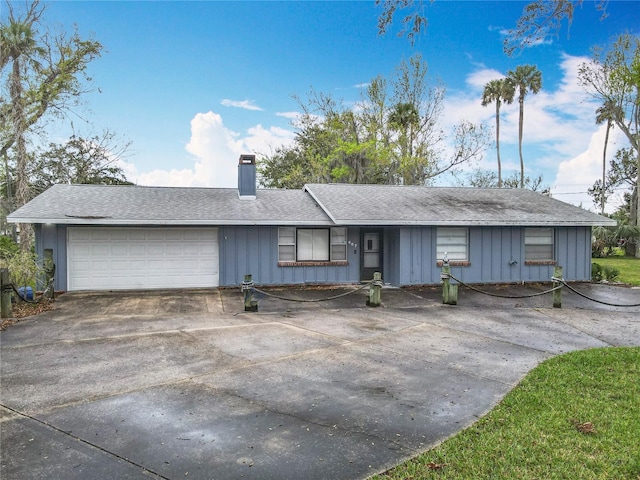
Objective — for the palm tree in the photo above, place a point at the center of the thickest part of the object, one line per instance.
(18, 48)
(525, 79)
(608, 112)
(405, 119)
(498, 91)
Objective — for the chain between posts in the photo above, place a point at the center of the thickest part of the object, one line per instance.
(311, 300)
(471, 287)
(562, 283)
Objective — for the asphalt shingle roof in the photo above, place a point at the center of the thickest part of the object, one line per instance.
(316, 204)
(134, 205)
(419, 205)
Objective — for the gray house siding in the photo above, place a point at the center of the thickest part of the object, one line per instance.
(391, 256)
(53, 237)
(254, 250)
(573, 246)
(496, 255)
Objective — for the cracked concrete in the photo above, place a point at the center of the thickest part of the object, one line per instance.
(185, 384)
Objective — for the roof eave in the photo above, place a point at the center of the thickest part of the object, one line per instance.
(165, 222)
(473, 223)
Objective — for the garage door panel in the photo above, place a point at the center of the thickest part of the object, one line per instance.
(139, 258)
(208, 250)
(156, 249)
(98, 235)
(100, 249)
(135, 235)
(137, 250)
(78, 235)
(118, 250)
(173, 236)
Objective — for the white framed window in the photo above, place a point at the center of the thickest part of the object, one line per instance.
(453, 241)
(286, 244)
(312, 244)
(338, 244)
(538, 244)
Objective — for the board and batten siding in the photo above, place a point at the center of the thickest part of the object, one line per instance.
(409, 256)
(254, 250)
(53, 236)
(496, 255)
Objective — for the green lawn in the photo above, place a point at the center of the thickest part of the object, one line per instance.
(575, 416)
(628, 267)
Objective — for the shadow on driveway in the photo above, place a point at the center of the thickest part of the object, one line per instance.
(185, 384)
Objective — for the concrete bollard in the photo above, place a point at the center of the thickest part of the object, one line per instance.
(375, 288)
(250, 305)
(557, 294)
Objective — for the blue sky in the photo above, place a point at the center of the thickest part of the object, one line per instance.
(194, 84)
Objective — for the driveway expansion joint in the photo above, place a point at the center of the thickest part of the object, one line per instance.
(82, 440)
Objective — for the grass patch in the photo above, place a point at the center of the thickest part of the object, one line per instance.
(575, 416)
(629, 268)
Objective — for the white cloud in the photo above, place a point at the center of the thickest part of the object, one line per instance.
(262, 141)
(215, 150)
(532, 42)
(559, 120)
(289, 115)
(479, 78)
(245, 104)
(576, 175)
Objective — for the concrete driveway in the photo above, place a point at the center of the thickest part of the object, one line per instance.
(186, 385)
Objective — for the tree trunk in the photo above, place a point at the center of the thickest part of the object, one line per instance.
(603, 193)
(498, 142)
(17, 117)
(520, 142)
(635, 211)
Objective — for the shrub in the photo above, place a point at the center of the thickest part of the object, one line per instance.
(611, 274)
(596, 272)
(600, 273)
(23, 268)
(8, 247)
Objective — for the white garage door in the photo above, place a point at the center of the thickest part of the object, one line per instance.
(103, 258)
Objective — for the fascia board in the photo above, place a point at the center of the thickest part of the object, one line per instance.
(167, 222)
(471, 223)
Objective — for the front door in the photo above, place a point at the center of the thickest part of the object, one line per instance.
(371, 259)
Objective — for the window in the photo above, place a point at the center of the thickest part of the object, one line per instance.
(287, 244)
(454, 242)
(312, 244)
(538, 244)
(338, 244)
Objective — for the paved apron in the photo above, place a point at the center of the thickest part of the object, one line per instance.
(186, 385)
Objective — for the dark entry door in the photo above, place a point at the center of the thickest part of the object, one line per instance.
(371, 256)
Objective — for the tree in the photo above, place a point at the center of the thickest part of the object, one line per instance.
(539, 20)
(605, 113)
(44, 77)
(525, 79)
(622, 172)
(393, 136)
(613, 78)
(479, 178)
(498, 91)
(92, 160)
(80, 160)
(413, 22)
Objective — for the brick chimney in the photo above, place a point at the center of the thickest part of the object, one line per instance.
(247, 177)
